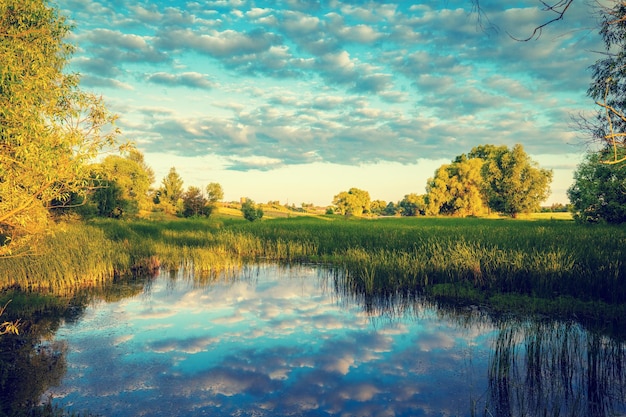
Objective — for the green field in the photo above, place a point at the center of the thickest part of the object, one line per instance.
(543, 264)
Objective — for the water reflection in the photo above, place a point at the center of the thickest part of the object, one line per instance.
(555, 368)
(284, 341)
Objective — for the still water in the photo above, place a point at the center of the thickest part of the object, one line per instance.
(275, 341)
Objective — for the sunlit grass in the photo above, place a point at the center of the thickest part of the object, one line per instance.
(539, 258)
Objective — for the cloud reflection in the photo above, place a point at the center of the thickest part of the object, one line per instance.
(265, 346)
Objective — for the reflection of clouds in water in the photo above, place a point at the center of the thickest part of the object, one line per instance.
(435, 340)
(152, 313)
(236, 317)
(191, 345)
(278, 348)
(122, 339)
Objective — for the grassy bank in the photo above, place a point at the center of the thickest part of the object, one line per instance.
(538, 258)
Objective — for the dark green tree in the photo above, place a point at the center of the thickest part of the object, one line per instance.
(195, 204)
(599, 190)
(110, 202)
(251, 211)
(391, 209)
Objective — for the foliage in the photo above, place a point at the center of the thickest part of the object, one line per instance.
(457, 188)
(8, 327)
(195, 204)
(251, 211)
(49, 128)
(391, 209)
(109, 201)
(378, 207)
(170, 196)
(214, 192)
(413, 205)
(608, 85)
(354, 202)
(599, 190)
(489, 177)
(125, 186)
(514, 183)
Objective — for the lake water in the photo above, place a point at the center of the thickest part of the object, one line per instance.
(275, 341)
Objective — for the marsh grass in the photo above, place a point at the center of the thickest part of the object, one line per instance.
(538, 258)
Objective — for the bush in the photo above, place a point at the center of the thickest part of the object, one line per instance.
(251, 211)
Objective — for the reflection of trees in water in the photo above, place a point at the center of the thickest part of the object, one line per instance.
(555, 368)
(27, 370)
(29, 367)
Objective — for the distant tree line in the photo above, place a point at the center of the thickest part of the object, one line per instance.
(487, 179)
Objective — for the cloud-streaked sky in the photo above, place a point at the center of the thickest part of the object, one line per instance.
(296, 100)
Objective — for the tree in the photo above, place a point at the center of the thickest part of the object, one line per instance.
(195, 204)
(49, 128)
(171, 192)
(352, 202)
(599, 190)
(378, 207)
(457, 188)
(214, 192)
(413, 205)
(123, 185)
(391, 209)
(608, 86)
(110, 202)
(514, 183)
(251, 211)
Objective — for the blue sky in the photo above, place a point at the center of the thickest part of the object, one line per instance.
(298, 100)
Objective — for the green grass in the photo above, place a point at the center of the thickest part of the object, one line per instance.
(532, 258)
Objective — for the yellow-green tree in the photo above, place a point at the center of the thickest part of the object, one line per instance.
(514, 183)
(170, 196)
(124, 186)
(457, 188)
(353, 202)
(49, 128)
(413, 205)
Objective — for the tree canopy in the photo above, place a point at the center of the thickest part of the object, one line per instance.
(352, 202)
(514, 183)
(49, 128)
(170, 195)
(457, 189)
(488, 177)
(251, 211)
(599, 190)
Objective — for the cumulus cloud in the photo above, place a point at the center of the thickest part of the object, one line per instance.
(187, 79)
(272, 84)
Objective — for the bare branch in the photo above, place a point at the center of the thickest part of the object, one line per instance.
(560, 7)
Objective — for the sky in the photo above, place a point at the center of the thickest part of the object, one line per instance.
(296, 101)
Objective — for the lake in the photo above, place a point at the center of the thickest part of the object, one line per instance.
(290, 341)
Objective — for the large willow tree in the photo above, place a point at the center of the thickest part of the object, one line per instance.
(49, 128)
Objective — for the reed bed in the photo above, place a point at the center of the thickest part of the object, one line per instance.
(541, 258)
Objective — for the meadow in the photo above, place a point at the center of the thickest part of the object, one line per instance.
(551, 265)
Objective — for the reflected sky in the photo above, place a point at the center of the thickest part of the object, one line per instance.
(274, 341)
